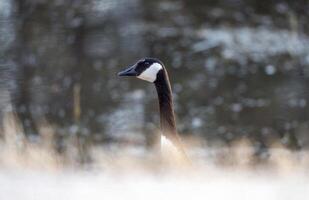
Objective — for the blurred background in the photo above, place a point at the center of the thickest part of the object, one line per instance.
(239, 69)
(71, 129)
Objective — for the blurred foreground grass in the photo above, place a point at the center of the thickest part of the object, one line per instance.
(37, 171)
(18, 151)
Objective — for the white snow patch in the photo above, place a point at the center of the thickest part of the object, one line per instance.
(212, 185)
(257, 43)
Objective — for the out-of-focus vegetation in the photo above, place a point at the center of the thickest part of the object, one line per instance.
(239, 70)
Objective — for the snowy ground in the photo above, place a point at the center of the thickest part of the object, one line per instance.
(34, 185)
(33, 171)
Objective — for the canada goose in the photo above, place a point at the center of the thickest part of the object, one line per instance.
(153, 70)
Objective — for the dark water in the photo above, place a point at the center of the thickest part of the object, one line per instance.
(238, 68)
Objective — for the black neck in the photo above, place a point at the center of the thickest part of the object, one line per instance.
(167, 118)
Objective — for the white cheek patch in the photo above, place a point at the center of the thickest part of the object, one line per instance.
(150, 74)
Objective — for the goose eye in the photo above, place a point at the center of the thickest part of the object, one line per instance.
(146, 63)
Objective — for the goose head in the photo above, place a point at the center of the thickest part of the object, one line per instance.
(145, 69)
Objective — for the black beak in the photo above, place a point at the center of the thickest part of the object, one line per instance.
(130, 71)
